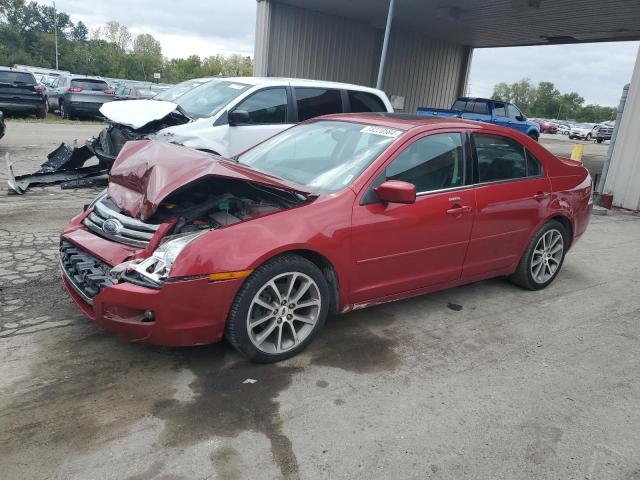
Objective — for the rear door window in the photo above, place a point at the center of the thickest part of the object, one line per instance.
(266, 106)
(481, 107)
(499, 158)
(365, 102)
(89, 84)
(313, 102)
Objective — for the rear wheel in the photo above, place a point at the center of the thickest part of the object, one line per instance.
(279, 310)
(543, 258)
(64, 113)
(599, 140)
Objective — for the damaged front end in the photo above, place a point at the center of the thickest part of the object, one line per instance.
(128, 120)
(154, 207)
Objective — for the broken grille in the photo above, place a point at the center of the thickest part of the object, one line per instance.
(130, 231)
(87, 274)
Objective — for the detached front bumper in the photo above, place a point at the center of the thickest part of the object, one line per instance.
(183, 313)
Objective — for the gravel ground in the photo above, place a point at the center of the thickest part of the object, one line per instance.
(485, 381)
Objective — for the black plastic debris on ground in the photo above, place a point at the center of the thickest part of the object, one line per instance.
(63, 165)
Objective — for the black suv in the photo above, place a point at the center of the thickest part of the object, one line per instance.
(20, 92)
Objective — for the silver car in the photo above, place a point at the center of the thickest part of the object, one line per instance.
(74, 95)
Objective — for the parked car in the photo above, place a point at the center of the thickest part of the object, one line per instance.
(181, 88)
(21, 93)
(564, 128)
(229, 115)
(602, 132)
(581, 131)
(74, 95)
(487, 110)
(335, 214)
(547, 127)
(3, 126)
(138, 91)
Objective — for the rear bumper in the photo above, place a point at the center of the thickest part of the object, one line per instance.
(190, 312)
(22, 107)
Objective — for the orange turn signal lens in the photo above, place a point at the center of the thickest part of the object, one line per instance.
(216, 277)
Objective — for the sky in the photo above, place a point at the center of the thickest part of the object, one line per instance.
(597, 71)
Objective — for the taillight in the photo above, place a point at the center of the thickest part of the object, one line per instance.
(75, 89)
(108, 91)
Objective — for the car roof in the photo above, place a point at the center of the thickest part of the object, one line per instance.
(17, 70)
(297, 82)
(402, 121)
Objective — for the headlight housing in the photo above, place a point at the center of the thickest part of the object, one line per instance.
(157, 267)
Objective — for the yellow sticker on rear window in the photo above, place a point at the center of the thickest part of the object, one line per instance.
(384, 131)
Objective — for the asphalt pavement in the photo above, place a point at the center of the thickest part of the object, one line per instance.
(485, 381)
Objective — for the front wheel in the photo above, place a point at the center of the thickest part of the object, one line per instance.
(279, 310)
(543, 258)
(588, 137)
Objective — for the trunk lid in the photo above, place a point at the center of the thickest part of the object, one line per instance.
(147, 171)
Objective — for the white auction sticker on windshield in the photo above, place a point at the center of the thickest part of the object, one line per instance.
(235, 86)
(384, 131)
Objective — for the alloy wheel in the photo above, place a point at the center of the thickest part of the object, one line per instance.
(284, 312)
(547, 256)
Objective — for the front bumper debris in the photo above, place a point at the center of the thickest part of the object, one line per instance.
(64, 164)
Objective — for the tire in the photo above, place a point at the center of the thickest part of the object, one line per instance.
(64, 113)
(41, 115)
(533, 137)
(528, 274)
(570, 137)
(588, 137)
(599, 140)
(275, 340)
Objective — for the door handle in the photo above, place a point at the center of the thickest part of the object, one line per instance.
(541, 195)
(459, 210)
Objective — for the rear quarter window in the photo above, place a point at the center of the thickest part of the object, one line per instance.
(365, 102)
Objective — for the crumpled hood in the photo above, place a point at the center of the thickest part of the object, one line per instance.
(136, 113)
(147, 171)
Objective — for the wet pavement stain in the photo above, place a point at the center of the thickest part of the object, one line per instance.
(349, 342)
(224, 406)
(454, 306)
(228, 463)
(322, 383)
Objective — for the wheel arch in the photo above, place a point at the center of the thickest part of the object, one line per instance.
(566, 223)
(325, 266)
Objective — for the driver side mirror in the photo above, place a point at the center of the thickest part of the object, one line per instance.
(521, 118)
(239, 117)
(395, 191)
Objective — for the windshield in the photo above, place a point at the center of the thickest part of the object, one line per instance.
(325, 155)
(178, 90)
(208, 99)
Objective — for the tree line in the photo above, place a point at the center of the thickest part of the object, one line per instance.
(546, 101)
(27, 37)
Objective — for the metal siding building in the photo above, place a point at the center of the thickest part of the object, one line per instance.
(430, 49)
(623, 179)
(303, 43)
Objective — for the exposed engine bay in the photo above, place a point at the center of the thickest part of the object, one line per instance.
(217, 202)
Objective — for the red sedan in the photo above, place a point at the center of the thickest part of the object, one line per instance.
(335, 214)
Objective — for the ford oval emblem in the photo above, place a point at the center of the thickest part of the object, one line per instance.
(111, 226)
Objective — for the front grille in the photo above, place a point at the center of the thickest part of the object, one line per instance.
(130, 231)
(87, 274)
